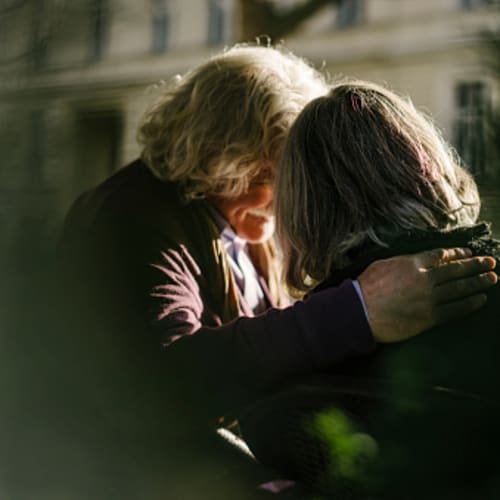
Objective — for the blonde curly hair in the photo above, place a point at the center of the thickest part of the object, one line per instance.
(214, 129)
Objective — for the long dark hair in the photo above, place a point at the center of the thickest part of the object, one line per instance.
(359, 163)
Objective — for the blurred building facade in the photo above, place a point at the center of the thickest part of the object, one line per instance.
(75, 77)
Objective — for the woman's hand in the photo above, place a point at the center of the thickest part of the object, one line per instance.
(407, 295)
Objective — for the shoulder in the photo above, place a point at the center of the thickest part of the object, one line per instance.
(131, 194)
(132, 188)
(486, 245)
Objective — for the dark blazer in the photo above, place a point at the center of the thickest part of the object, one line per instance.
(153, 269)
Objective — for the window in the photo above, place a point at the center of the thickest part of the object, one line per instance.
(348, 13)
(470, 125)
(217, 21)
(471, 4)
(99, 24)
(161, 25)
(29, 240)
(40, 35)
(99, 143)
(37, 148)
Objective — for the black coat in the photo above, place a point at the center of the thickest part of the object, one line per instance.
(431, 403)
(462, 355)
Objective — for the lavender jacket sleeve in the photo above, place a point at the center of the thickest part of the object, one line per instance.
(247, 356)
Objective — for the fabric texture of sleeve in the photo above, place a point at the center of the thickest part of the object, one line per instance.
(246, 357)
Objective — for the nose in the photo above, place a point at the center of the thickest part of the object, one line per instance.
(265, 195)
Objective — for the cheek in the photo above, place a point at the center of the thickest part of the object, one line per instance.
(239, 213)
(255, 229)
(259, 196)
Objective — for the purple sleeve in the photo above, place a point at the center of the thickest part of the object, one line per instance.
(228, 365)
(249, 354)
(328, 327)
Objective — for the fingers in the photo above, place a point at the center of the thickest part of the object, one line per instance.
(458, 308)
(458, 269)
(439, 256)
(458, 289)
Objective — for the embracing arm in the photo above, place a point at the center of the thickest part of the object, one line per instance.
(226, 364)
(404, 296)
(222, 365)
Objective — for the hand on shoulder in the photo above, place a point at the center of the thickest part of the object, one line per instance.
(409, 294)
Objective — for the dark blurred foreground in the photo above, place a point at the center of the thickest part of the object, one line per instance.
(85, 416)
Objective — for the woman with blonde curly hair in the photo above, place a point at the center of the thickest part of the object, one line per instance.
(179, 242)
